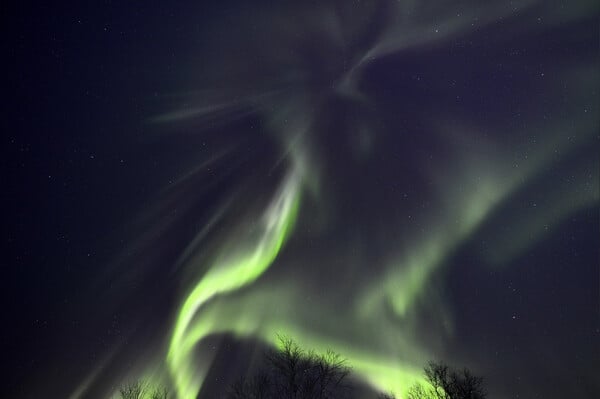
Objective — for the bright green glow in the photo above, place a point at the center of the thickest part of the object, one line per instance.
(230, 272)
(149, 388)
(263, 313)
(386, 372)
(383, 371)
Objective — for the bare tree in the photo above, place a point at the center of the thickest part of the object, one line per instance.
(294, 373)
(445, 383)
(135, 390)
(159, 393)
(141, 390)
(256, 388)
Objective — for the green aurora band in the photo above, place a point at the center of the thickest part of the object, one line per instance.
(229, 273)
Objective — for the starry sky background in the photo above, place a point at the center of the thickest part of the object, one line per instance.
(443, 157)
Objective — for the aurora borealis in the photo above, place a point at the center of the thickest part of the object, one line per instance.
(397, 181)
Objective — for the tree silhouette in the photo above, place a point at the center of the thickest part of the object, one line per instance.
(136, 390)
(159, 393)
(141, 390)
(445, 383)
(294, 373)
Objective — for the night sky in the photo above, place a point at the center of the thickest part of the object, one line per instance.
(398, 181)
